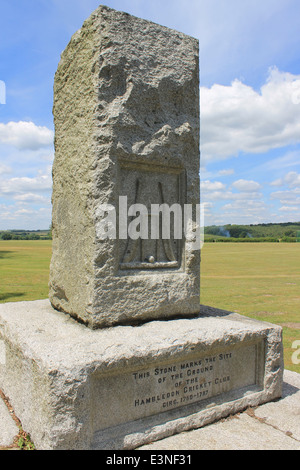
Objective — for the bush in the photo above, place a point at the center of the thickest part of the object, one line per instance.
(289, 239)
(243, 240)
(6, 236)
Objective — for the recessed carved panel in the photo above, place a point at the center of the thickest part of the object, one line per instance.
(161, 192)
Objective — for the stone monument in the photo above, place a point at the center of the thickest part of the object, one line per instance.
(126, 114)
(123, 354)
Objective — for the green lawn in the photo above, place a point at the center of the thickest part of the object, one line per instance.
(260, 280)
(24, 270)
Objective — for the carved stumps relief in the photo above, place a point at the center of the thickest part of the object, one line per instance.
(157, 194)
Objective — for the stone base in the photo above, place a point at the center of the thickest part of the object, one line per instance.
(122, 387)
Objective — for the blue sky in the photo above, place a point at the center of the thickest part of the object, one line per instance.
(250, 102)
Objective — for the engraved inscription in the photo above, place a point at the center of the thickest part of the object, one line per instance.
(163, 387)
(152, 186)
(188, 382)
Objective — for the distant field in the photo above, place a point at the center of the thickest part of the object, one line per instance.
(24, 270)
(260, 280)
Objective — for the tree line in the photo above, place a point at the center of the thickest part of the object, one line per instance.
(25, 235)
(289, 232)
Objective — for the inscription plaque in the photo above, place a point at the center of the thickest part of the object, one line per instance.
(164, 387)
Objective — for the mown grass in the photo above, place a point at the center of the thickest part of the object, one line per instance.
(24, 270)
(260, 280)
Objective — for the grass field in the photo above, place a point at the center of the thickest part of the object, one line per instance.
(24, 270)
(260, 280)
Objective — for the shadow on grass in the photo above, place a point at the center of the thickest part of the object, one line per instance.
(9, 295)
(6, 254)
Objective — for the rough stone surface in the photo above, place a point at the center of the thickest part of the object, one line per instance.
(273, 426)
(238, 432)
(116, 388)
(289, 408)
(126, 113)
(8, 428)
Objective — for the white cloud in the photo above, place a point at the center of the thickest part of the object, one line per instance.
(291, 197)
(238, 119)
(291, 179)
(230, 196)
(19, 185)
(5, 169)
(278, 182)
(26, 201)
(245, 211)
(31, 198)
(13, 217)
(15, 185)
(212, 185)
(249, 205)
(279, 164)
(226, 172)
(25, 135)
(246, 186)
(289, 208)
(244, 205)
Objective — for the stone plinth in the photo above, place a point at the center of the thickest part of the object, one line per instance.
(122, 387)
(126, 114)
